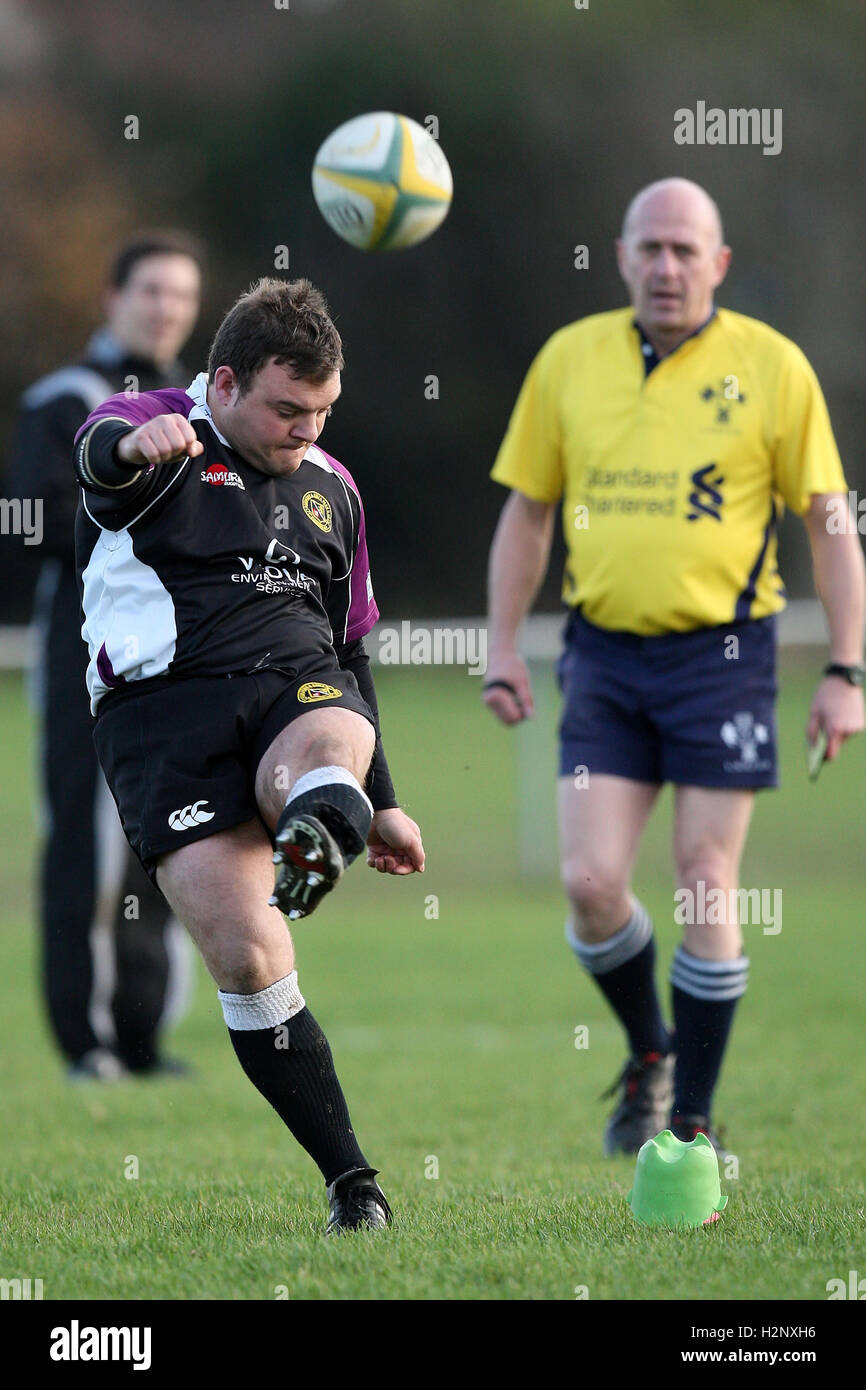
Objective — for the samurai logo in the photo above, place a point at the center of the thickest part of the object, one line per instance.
(747, 736)
(705, 499)
(318, 509)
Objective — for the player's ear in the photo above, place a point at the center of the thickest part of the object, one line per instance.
(723, 261)
(225, 384)
(622, 263)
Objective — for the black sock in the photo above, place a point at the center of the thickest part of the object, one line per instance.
(291, 1065)
(623, 967)
(702, 1023)
(296, 1074)
(337, 800)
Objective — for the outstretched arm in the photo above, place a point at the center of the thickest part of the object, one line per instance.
(114, 454)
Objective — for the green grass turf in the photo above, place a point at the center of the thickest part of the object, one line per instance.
(454, 1039)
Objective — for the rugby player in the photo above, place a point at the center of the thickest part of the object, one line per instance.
(672, 433)
(226, 593)
(114, 959)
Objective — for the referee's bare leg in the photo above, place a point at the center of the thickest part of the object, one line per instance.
(710, 971)
(611, 933)
(600, 826)
(219, 888)
(601, 822)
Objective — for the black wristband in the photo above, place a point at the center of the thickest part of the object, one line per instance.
(505, 685)
(854, 675)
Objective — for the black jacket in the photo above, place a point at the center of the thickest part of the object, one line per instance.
(49, 414)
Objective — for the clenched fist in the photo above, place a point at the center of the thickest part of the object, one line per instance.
(160, 440)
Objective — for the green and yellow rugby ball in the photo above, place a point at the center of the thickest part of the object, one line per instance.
(382, 182)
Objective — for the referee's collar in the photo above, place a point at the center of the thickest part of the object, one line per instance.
(651, 358)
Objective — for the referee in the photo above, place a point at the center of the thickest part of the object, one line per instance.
(671, 434)
(226, 593)
(113, 957)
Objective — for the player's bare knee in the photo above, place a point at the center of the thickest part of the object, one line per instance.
(324, 738)
(707, 868)
(333, 750)
(598, 899)
(245, 967)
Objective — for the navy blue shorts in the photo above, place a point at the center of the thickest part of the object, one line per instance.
(694, 708)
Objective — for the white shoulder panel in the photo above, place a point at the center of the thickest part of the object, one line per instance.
(130, 625)
(318, 458)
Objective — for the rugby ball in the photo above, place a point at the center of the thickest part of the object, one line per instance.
(381, 182)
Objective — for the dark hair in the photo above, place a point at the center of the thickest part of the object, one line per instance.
(166, 242)
(284, 319)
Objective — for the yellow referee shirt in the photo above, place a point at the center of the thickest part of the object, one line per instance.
(672, 483)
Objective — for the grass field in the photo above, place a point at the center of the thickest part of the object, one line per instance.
(454, 1039)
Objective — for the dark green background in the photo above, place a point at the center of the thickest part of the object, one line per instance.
(551, 118)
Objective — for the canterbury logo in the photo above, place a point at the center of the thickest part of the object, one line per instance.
(189, 816)
(317, 690)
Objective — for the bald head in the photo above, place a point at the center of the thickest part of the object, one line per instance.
(675, 198)
(672, 256)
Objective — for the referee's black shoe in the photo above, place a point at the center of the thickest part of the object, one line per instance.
(688, 1127)
(647, 1085)
(357, 1200)
(310, 863)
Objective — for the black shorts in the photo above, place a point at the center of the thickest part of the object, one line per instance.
(180, 754)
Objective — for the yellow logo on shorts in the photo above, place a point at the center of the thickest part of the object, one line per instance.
(312, 691)
(318, 509)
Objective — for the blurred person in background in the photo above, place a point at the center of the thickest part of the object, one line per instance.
(115, 962)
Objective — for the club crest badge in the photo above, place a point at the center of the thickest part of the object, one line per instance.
(318, 509)
(311, 691)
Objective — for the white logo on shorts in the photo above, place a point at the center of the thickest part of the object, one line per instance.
(746, 735)
(189, 816)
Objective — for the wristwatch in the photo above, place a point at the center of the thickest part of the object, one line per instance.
(854, 675)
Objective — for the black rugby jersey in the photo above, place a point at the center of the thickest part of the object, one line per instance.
(208, 566)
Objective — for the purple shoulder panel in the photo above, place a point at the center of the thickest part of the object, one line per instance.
(140, 408)
(363, 610)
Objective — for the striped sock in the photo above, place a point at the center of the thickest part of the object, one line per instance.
(623, 969)
(705, 995)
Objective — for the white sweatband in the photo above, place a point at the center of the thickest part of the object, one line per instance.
(265, 1009)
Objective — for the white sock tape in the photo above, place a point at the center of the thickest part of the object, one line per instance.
(265, 1009)
(327, 776)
